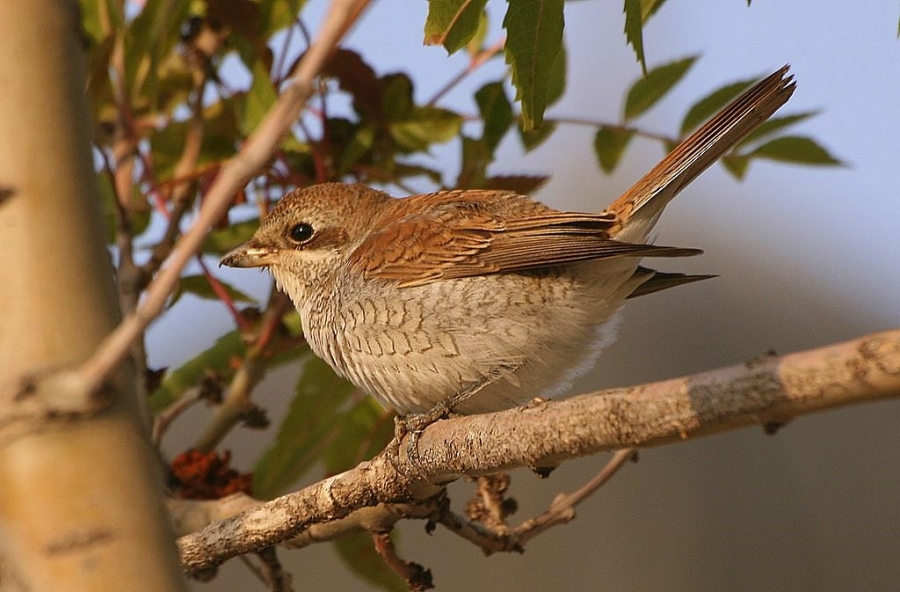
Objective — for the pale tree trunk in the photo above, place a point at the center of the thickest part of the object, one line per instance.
(80, 495)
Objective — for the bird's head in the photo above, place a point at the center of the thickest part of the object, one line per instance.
(309, 234)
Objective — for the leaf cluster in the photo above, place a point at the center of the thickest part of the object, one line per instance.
(535, 52)
(611, 140)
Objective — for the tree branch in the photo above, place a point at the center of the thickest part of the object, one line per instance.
(768, 392)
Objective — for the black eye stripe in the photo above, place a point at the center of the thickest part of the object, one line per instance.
(301, 232)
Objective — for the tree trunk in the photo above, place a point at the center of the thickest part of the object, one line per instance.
(81, 498)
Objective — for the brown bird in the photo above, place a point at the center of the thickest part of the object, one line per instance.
(477, 300)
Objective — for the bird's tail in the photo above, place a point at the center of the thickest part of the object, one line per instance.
(640, 207)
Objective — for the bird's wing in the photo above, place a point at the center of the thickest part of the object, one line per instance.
(456, 239)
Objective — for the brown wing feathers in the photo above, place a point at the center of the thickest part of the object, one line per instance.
(447, 247)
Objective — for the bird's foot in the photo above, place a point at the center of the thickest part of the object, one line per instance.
(414, 424)
(411, 427)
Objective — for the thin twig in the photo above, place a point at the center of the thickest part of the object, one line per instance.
(562, 510)
(493, 536)
(278, 70)
(415, 576)
(620, 127)
(237, 401)
(224, 297)
(489, 541)
(279, 303)
(234, 406)
(178, 191)
(483, 56)
(129, 278)
(271, 572)
(164, 419)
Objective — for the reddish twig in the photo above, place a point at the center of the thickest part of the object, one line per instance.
(473, 65)
(416, 577)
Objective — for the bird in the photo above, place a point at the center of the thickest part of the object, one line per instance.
(472, 300)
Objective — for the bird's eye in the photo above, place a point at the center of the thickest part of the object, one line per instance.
(301, 232)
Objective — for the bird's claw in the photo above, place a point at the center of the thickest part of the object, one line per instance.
(411, 427)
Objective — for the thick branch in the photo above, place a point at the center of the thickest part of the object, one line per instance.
(770, 391)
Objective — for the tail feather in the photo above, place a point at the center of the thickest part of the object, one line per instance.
(657, 280)
(640, 207)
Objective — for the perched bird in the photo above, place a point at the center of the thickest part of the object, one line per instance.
(477, 300)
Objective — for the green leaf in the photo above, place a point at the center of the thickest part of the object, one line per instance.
(533, 138)
(637, 13)
(94, 13)
(218, 359)
(496, 112)
(99, 91)
(397, 101)
(222, 241)
(361, 143)
(199, 286)
(291, 320)
(476, 43)
(150, 37)
(534, 39)
(634, 31)
(359, 555)
(275, 15)
(476, 156)
(174, 84)
(425, 126)
(651, 88)
(309, 429)
(711, 103)
(796, 149)
(189, 374)
(403, 170)
(736, 164)
(556, 81)
(363, 431)
(258, 100)
(609, 145)
(775, 124)
(452, 23)
(218, 142)
(649, 8)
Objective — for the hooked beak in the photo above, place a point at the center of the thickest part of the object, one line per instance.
(249, 255)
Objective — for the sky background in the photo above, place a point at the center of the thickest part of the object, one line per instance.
(806, 256)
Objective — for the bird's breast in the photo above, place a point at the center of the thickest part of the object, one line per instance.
(414, 347)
